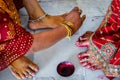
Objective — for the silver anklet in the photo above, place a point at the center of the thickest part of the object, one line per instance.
(38, 19)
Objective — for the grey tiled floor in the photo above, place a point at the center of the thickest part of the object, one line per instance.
(65, 50)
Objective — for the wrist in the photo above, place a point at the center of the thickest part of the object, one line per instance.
(68, 29)
(70, 25)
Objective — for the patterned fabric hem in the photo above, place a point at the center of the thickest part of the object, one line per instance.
(16, 48)
(97, 58)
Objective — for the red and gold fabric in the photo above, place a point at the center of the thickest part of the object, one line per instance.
(15, 41)
(105, 42)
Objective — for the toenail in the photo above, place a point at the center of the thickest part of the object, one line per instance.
(33, 75)
(30, 76)
(18, 78)
(23, 78)
(26, 76)
(30, 73)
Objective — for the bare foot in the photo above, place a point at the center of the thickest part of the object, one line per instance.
(23, 68)
(48, 22)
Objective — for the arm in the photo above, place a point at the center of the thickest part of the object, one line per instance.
(48, 38)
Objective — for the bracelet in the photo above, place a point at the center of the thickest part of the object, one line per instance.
(69, 32)
(71, 25)
(38, 19)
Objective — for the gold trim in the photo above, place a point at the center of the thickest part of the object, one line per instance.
(107, 39)
(112, 28)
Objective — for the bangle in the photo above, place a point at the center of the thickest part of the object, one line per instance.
(69, 32)
(71, 25)
(38, 19)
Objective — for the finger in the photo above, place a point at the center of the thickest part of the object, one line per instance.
(80, 11)
(87, 64)
(83, 18)
(86, 35)
(84, 64)
(90, 66)
(75, 9)
(98, 67)
(82, 38)
(82, 44)
(89, 32)
(95, 67)
(84, 60)
(83, 55)
(83, 41)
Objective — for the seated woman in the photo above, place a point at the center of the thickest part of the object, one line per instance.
(103, 44)
(15, 41)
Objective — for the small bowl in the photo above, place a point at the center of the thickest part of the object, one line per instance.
(65, 68)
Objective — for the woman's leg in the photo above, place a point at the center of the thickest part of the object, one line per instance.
(23, 67)
(35, 11)
(18, 4)
(44, 40)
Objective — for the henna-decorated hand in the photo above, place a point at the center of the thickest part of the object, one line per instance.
(84, 57)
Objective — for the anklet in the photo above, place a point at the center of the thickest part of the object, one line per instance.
(38, 19)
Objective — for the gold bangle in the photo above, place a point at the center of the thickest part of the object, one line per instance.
(70, 24)
(69, 32)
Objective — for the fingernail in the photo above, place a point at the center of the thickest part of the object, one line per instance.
(88, 67)
(84, 64)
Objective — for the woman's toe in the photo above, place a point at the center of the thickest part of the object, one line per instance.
(14, 72)
(26, 74)
(22, 75)
(30, 76)
(31, 72)
(16, 75)
(33, 67)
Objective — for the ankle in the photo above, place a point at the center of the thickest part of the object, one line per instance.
(37, 19)
(36, 15)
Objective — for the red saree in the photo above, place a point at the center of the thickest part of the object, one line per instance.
(15, 41)
(105, 42)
